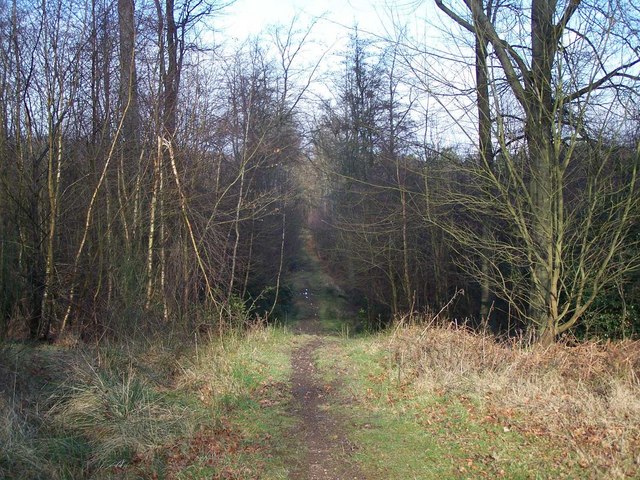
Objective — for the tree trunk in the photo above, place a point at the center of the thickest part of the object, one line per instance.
(539, 135)
(128, 77)
(486, 157)
(171, 79)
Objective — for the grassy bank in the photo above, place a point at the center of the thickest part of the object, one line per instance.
(154, 409)
(443, 402)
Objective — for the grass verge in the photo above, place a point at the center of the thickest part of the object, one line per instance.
(144, 409)
(443, 402)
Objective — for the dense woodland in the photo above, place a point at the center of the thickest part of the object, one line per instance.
(152, 179)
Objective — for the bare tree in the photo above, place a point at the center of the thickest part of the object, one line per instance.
(569, 246)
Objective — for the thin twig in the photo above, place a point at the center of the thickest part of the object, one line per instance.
(455, 295)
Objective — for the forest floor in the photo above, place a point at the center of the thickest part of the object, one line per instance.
(314, 399)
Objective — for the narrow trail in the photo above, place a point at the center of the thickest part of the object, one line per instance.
(327, 452)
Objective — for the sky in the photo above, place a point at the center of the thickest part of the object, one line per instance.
(450, 108)
(249, 17)
(335, 21)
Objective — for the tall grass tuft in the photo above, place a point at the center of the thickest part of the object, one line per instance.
(17, 451)
(120, 414)
(119, 409)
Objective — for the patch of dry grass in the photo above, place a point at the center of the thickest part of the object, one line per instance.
(235, 366)
(27, 376)
(84, 410)
(585, 397)
(121, 415)
(17, 452)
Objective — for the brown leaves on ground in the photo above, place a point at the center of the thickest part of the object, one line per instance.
(222, 449)
(584, 398)
(216, 449)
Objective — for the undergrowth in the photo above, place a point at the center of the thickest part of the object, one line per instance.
(585, 397)
(136, 409)
(439, 401)
(421, 401)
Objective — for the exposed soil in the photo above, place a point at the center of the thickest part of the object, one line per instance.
(328, 452)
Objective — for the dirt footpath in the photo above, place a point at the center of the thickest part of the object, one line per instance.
(327, 451)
